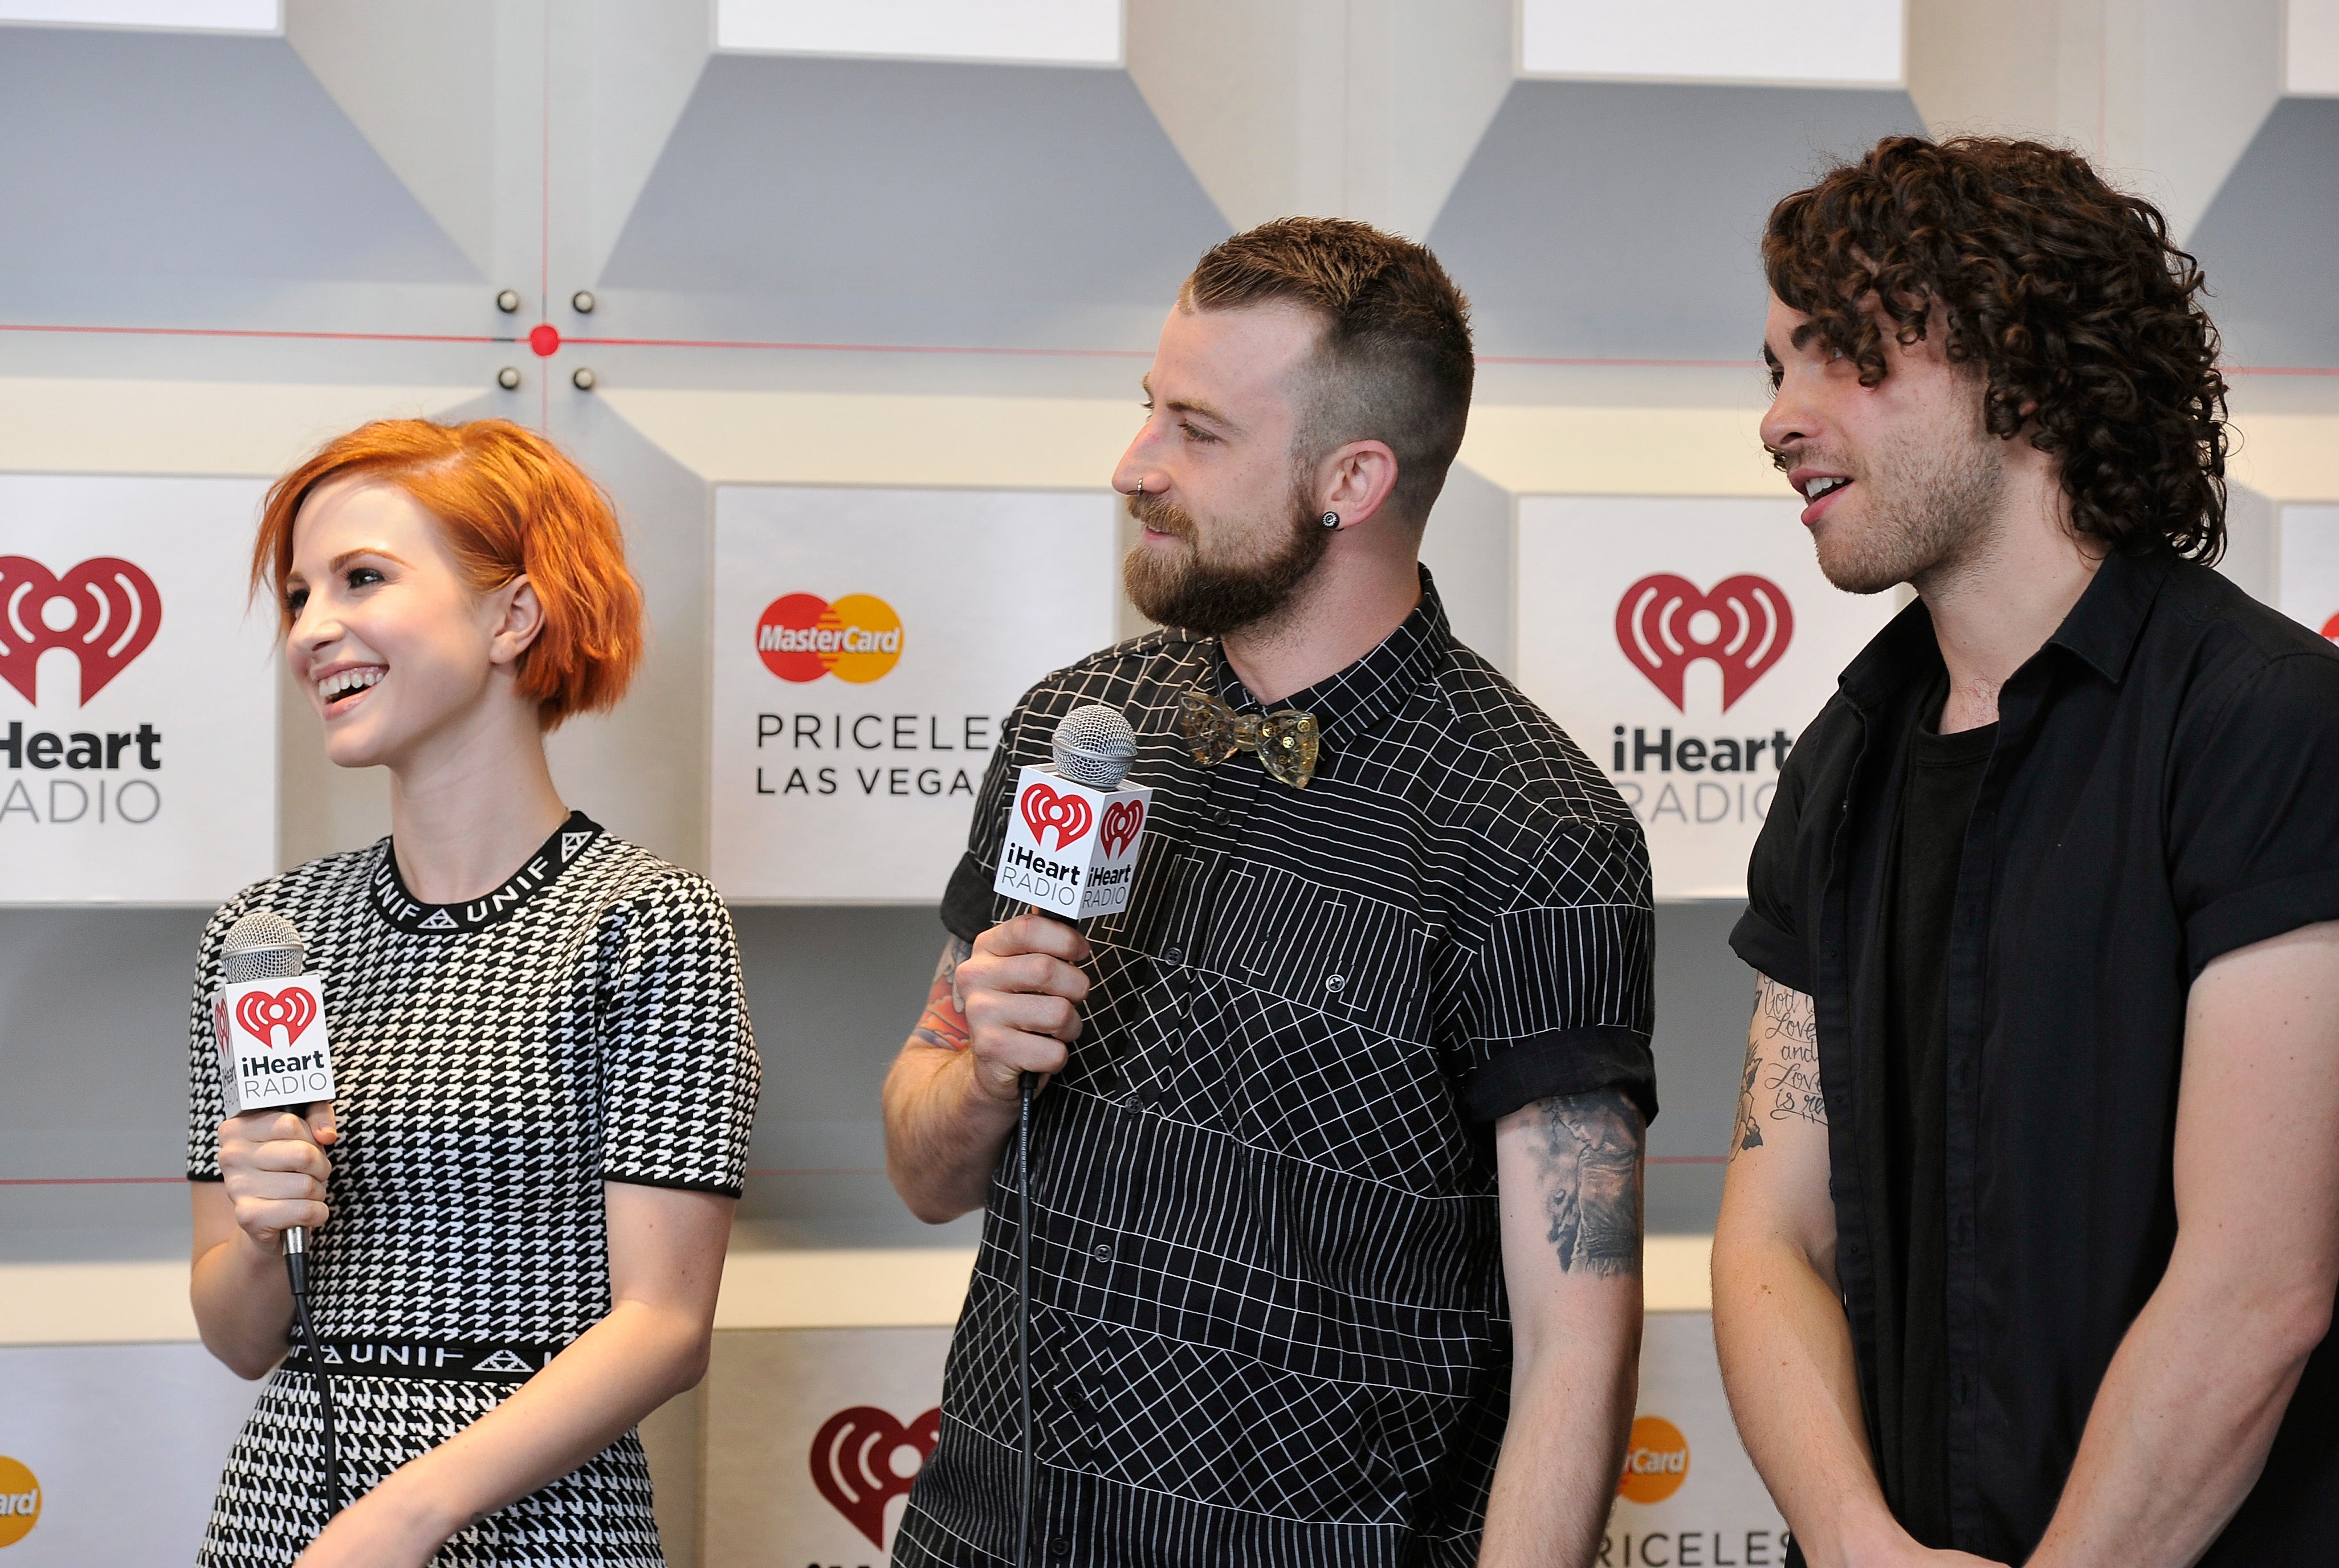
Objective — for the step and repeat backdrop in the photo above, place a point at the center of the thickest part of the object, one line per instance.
(137, 695)
(812, 1438)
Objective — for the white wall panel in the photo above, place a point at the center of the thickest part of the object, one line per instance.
(140, 766)
(1629, 613)
(1055, 32)
(1835, 43)
(2310, 47)
(178, 16)
(854, 783)
(2309, 587)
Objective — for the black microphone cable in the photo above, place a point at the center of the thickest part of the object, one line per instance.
(296, 1268)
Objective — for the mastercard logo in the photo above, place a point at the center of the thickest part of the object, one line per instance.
(803, 636)
(20, 1501)
(1656, 1460)
(2330, 628)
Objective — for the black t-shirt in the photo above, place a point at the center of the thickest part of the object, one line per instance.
(1936, 801)
(2160, 793)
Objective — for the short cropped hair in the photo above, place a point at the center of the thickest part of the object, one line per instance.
(2082, 314)
(508, 503)
(1395, 361)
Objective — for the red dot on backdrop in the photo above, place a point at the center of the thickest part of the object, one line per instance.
(791, 613)
(545, 339)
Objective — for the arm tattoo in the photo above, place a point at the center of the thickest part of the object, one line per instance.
(1588, 1148)
(1781, 1080)
(943, 1023)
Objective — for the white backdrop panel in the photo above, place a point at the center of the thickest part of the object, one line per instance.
(1680, 640)
(147, 770)
(853, 782)
(127, 1441)
(1715, 40)
(1051, 31)
(2309, 586)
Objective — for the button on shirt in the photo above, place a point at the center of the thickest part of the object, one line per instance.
(1266, 1259)
(2163, 789)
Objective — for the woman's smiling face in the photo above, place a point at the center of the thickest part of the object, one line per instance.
(391, 643)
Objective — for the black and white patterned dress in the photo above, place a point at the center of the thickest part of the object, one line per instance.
(495, 1064)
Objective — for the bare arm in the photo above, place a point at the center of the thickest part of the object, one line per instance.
(2180, 1429)
(1570, 1174)
(999, 1007)
(1778, 1314)
(666, 1266)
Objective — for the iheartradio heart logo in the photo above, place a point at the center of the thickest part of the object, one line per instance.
(295, 1010)
(852, 1463)
(1043, 809)
(1747, 625)
(1124, 821)
(104, 612)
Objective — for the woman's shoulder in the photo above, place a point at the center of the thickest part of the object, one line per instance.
(623, 876)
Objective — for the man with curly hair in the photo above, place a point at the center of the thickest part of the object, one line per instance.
(2049, 903)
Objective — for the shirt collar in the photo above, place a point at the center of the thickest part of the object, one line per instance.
(2101, 631)
(1357, 698)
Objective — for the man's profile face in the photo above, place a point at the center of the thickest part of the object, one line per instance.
(1897, 478)
(1229, 531)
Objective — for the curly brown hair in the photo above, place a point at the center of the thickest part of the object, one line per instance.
(2083, 317)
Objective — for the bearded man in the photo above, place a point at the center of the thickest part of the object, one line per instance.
(2050, 892)
(1369, 1044)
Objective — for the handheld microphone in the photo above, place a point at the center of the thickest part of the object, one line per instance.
(268, 996)
(1071, 850)
(1094, 823)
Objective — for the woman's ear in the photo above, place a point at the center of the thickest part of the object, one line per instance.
(519, 624)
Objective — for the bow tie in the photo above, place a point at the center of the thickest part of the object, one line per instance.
(1285, 740)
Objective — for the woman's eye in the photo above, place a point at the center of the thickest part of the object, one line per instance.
(364, 577)
(295, 602)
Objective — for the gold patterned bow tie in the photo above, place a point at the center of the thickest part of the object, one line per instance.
(1286, 740)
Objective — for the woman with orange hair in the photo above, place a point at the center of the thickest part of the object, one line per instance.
(520, 1196)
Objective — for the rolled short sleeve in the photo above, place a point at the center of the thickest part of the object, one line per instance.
(966, 903)
(2253, 816)
(1770, 935)
(1559, 999)
(682, 1075)
(206, 1101)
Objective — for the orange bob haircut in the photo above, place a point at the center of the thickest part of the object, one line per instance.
(508, 503)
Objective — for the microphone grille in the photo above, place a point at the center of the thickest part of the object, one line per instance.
(262, 946)
(1095, 747)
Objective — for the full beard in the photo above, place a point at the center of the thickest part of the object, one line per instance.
(1925, 510)
(1209, 597)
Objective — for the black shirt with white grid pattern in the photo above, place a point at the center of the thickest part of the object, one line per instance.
(1266, 1259)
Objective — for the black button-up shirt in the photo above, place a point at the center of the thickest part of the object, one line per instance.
(1265, 1261)
(2164, 788)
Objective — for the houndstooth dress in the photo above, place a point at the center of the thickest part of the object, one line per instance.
(495, 1062)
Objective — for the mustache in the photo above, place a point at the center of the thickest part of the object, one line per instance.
(1160, 514)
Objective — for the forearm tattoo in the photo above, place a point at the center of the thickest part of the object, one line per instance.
(943, 1023)
(1781, 1080)
(1587, 1148)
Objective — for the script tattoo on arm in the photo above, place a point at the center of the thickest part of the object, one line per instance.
(943, 1023)
(1781, 1079)
(1588, 1148)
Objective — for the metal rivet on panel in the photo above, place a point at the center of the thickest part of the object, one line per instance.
(508, 378)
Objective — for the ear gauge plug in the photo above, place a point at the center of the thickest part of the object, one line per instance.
(1330, 520)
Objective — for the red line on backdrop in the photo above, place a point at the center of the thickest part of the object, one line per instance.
(257, 332)
(814, 348)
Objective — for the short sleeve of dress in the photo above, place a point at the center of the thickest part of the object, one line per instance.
(206, 1103)
(2252, 817)
(1769, 935)
(966, 903)
(1561, 999)
(682, 1075)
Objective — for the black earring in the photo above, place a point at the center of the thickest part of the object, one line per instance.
(1330, 520)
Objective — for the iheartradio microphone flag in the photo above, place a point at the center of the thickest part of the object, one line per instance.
(1071, 850)
(271, 1043)
(1685, 643)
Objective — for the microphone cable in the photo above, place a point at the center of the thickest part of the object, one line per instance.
(296, 1267)
(1023, 1307)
